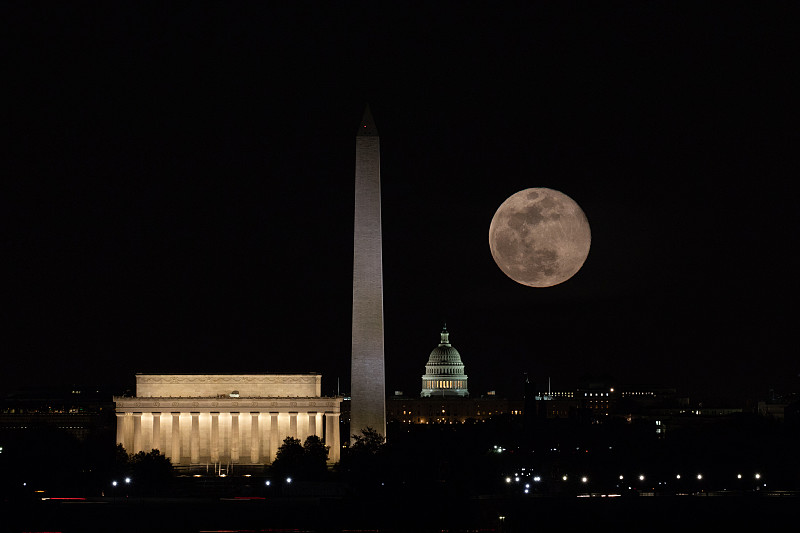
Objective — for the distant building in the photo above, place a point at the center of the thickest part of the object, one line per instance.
(596, 403)
(84, 412)
(779, 406)
(556, 404)
(225, 418)
(450, 409)
(444, 371)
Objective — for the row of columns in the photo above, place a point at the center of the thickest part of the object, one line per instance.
(331, 437)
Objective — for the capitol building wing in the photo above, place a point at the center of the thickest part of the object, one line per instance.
(198, 419)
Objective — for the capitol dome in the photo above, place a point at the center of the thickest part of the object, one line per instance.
(444, 372)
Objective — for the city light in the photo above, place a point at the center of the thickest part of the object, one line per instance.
(641, 477)
(288, 480)
(113, 483)
(584, 479)
(127, 480)
(699, 476)
(508, 480)
(758, 476)
(268, 483)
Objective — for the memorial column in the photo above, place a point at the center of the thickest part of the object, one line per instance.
(194, 439)
(254, 438)
(137, 432)
(176, 438)
(332, 436)
(157, 431)
(121, 430)
(312, 423)
(214, 437)
(234, 437)
(274, 436)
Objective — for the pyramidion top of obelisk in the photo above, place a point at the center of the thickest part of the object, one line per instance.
(367, 126)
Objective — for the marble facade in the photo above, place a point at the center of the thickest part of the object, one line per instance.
(197, 419)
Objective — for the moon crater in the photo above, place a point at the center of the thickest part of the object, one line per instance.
(539, 237)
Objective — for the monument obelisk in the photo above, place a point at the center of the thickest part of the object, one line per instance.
(367, 378)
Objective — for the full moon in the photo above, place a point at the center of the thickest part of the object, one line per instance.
(539, 237)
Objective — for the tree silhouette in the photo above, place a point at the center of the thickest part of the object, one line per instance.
(362, 463)
(289, 457)
(306, 461)
(369, 442)
(151, 472)
(315, 457)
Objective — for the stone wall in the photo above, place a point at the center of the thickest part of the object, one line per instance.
(223, 385)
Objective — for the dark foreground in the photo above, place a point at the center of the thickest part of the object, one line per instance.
(641, 514)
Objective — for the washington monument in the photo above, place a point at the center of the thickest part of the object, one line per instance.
(367, 377)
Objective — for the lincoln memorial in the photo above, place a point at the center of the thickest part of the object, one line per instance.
(199, 419)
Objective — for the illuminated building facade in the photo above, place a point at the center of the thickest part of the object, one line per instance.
(200, 419)
(367, 375)
(444, 371)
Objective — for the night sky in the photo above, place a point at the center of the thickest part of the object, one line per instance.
(177, 191)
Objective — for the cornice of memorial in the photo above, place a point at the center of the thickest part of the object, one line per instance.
(222, 378)
(225, 403)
